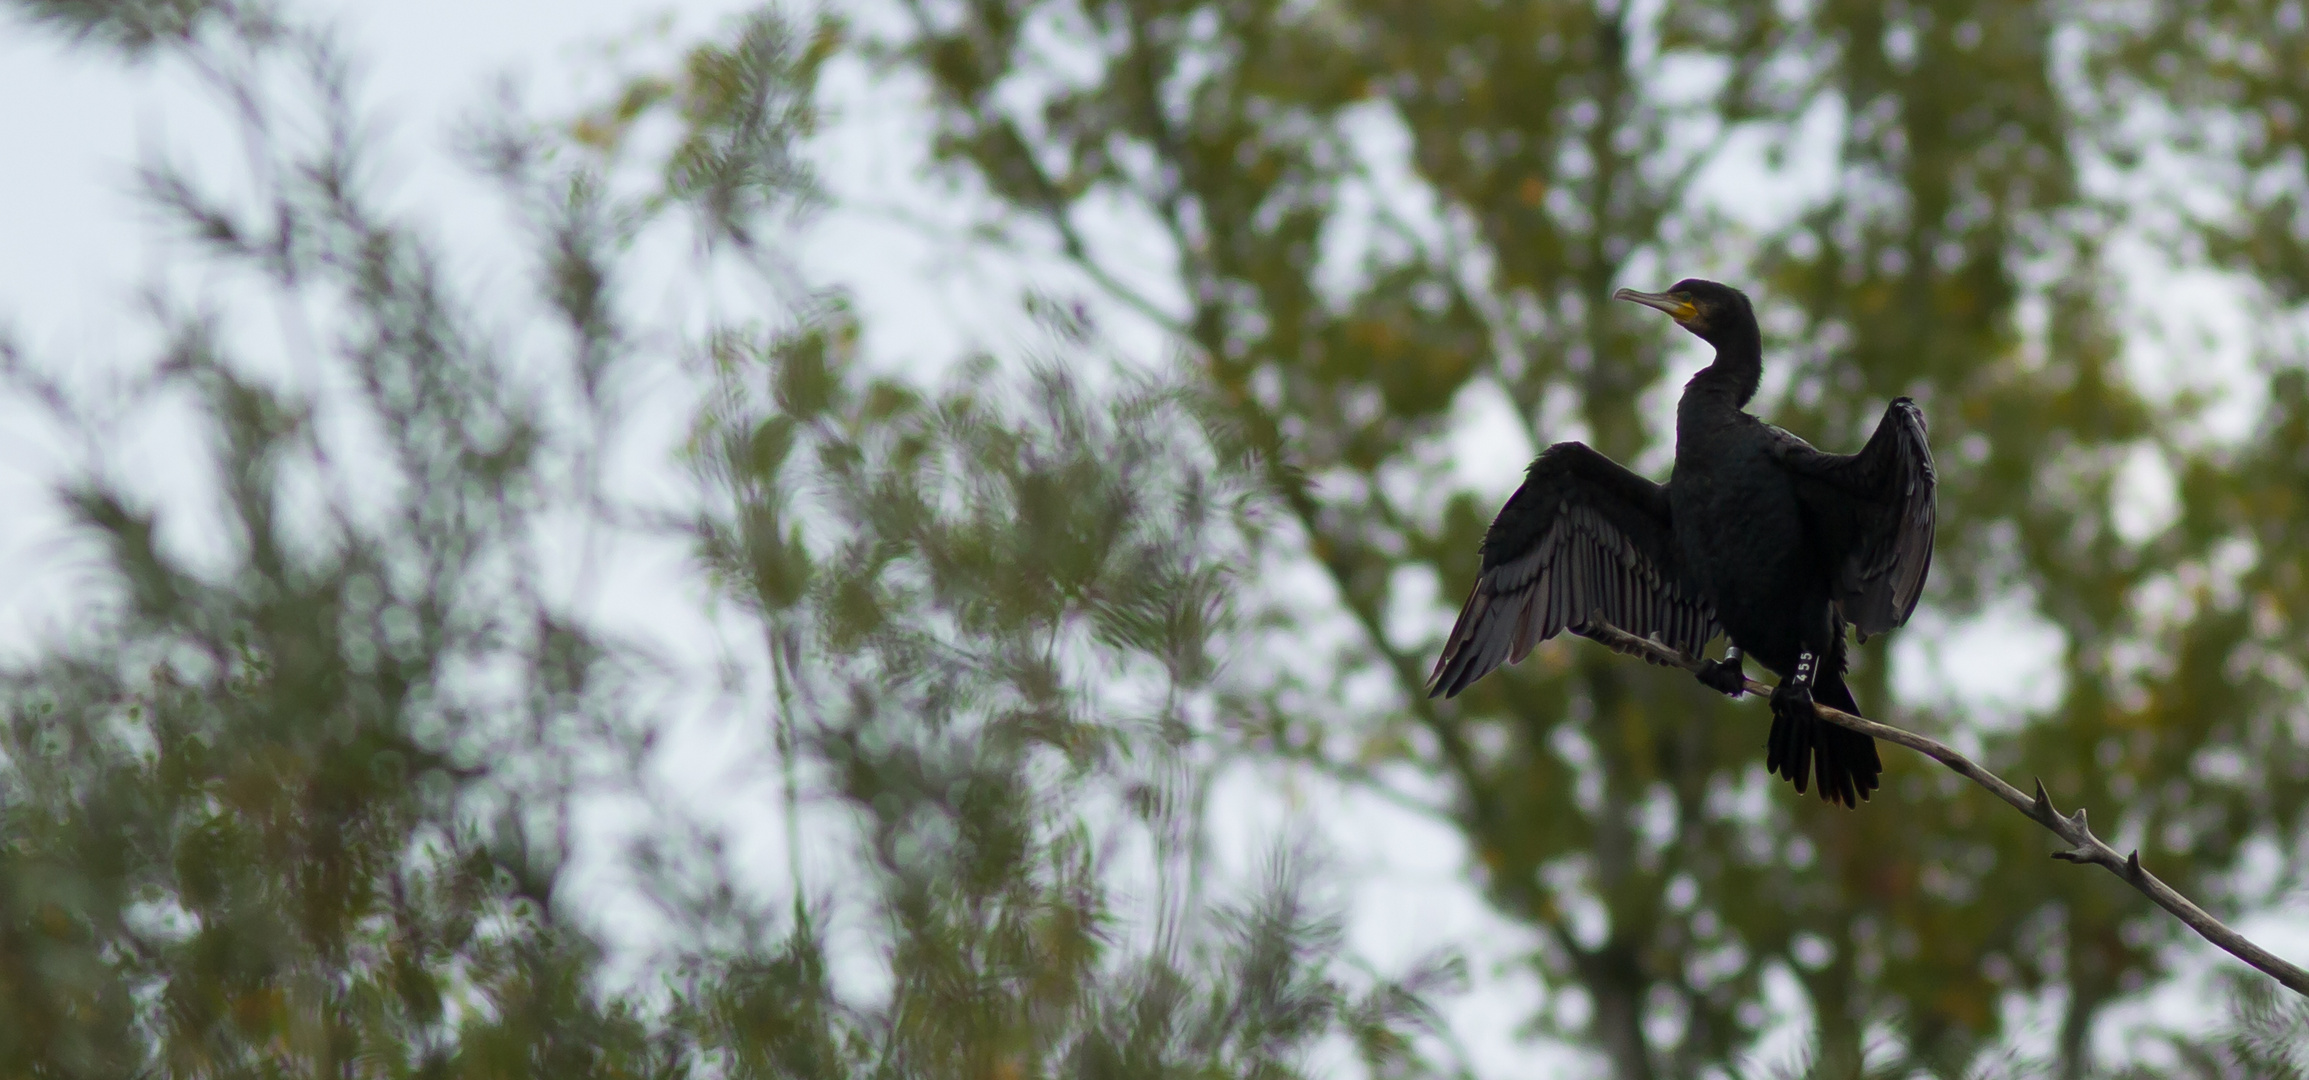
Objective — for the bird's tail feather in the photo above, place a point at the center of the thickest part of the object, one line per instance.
(1803, 745)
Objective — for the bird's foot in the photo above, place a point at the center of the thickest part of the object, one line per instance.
(1793, 700)
(1724, 676)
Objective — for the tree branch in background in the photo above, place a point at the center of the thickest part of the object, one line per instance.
(2084, 846)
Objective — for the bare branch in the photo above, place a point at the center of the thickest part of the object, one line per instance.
(2084, 847)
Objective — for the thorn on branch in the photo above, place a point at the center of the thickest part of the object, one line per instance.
(2073, 828)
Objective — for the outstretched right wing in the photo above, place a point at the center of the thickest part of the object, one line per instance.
(1874, 514)
(1582, 536)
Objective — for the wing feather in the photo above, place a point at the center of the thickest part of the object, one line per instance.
(1582, 537)
(1874, 513)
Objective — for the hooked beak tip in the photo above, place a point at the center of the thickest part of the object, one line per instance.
(1678, 309)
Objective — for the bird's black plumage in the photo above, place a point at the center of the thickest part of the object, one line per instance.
(1756, 534)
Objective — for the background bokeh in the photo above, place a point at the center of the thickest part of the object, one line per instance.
(905, 538)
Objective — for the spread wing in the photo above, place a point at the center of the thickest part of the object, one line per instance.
(1873, 514)
(1581, 536)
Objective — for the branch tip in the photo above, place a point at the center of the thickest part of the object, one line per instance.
(2073, 829)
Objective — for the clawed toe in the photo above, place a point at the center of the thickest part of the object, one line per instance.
(1724, 677)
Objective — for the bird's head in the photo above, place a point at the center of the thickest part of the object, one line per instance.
(1711, 310)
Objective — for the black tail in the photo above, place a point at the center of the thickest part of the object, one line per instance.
(1845, 760)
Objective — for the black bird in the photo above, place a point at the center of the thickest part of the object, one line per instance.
(1756, 534)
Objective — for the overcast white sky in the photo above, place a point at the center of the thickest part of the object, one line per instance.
(73, 253)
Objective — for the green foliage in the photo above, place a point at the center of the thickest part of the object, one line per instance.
(991, 618)
(304, 807)
(2266, 1036)
(1564, 144)
(134, 26)
(741, 106)
(250, 805)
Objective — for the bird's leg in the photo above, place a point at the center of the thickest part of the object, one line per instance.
(1725, 676)
(1794, 694)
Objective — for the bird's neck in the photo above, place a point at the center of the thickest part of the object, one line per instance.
(1739, 367)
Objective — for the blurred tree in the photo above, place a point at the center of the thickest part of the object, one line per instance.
(304, 807)
(300, 802)
(1562, 146)
(2266, 1037)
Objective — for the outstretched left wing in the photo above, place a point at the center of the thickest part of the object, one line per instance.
(1873, 513)
(1581, 537)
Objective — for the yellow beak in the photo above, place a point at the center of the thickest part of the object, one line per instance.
(1677, 308)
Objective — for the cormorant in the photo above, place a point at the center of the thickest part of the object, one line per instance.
(1756, 535)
